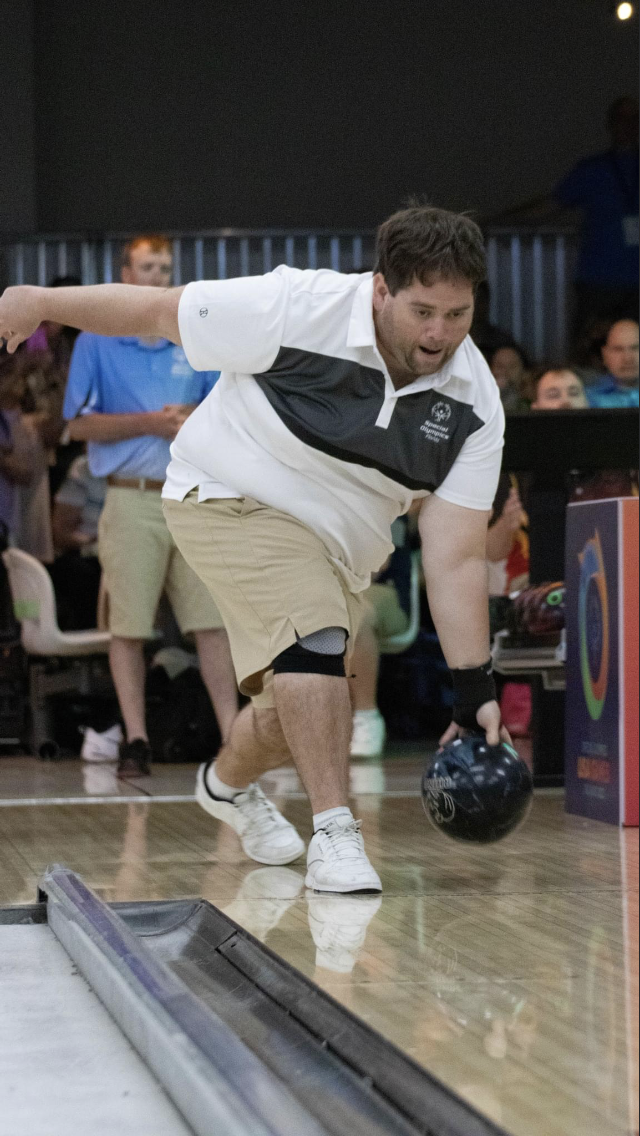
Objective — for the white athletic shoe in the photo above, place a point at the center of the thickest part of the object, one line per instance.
(264, 898)
(265, 835)
(369, 734)
(337, 861)
(338, 925)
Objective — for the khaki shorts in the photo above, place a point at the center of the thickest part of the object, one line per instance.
(140, 561)
(384, 612)
(269, 574)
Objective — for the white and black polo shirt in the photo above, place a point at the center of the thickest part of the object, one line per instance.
(305, 417)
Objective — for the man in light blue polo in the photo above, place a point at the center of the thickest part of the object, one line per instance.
(128, 398)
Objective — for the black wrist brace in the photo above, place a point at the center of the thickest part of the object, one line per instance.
(471, 690)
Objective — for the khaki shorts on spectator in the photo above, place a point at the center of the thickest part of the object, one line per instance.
(383, 611)
(140, 561)
(270, 576)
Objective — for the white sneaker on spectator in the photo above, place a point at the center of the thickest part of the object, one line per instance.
(337, 861)
(265, 835)
(339, 925)
(265, 896)
(369, 734)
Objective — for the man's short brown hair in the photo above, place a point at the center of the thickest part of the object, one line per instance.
(155, 241)
(428, 244)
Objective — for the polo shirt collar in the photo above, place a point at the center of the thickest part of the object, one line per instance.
(362, 333)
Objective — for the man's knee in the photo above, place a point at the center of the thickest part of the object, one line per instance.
(321, 653)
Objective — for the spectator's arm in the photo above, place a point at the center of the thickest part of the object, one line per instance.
(501, 535)
(16, 467)
(66, 523)
(105, 309)
(108, 428)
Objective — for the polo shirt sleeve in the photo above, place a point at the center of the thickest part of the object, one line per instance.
(473, 481)
(83, 395)
(233, 325)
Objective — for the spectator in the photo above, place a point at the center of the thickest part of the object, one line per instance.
(128, 398)
(510, 368)
(561, 389)
(23, 471)
(76, 570)
(618, 387)
(605, 188)
(387, 608)
(508, 541)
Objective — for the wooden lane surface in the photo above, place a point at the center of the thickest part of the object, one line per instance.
(505, 971)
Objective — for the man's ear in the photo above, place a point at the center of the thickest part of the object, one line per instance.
(380, 291)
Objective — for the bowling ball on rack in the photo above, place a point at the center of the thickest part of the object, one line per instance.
(477, 792)
(541, 610)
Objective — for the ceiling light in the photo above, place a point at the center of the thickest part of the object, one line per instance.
(625, 11)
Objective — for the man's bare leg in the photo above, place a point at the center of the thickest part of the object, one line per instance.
(256, 744)
(218, 675)
(365, 665)
(128, 670)
(315, 715)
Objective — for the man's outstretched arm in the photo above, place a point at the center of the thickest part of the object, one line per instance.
(454, 553)
(106, 309)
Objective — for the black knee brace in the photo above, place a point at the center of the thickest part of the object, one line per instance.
(299, 660)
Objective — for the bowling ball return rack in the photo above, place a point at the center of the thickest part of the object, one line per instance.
(241, 1042)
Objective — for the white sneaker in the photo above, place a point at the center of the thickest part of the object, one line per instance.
(265, 896)
(103, 747)
(369, 734)
(338, 925)
(337, 861)
(265, 835)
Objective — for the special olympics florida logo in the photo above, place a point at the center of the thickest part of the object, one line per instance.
(595, 634)
(441, 412)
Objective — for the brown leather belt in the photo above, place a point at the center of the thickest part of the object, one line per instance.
(143, 484)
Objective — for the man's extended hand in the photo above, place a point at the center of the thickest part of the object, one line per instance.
(20, 315)
(489, 720)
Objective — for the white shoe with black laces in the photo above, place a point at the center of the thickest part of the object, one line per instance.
(337, 861)
(265, 835)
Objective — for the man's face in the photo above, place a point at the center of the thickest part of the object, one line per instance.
(560, 390)
(421, 327)
(148, 268)
(620, 352)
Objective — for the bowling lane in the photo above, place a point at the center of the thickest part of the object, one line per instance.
(64, 1065)
(503, 970)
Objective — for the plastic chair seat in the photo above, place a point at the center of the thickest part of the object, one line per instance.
(35, 606)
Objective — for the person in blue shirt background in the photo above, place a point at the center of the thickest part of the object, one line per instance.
(618, 387)
(605, 188)
(128, 398)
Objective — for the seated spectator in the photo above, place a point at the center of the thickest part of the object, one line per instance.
(510, 368)
(508, 541)
(562, 389)
(387, 606)
(618, 387)
(16, 448)
(76, 571)
(32, 519)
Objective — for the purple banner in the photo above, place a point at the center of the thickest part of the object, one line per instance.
(593, 681)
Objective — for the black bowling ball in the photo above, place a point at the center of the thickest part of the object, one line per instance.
(477, 792)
